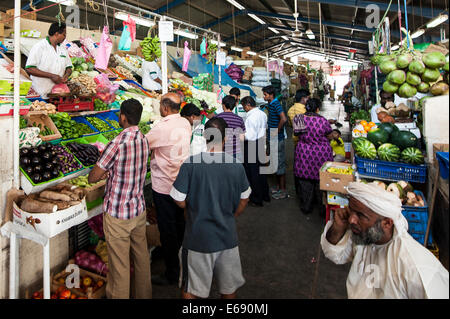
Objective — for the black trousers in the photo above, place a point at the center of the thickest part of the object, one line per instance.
(171, 225)
(309, 192)
(257, 181)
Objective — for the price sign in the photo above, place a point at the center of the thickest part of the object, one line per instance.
(221, 58)
(166, 31)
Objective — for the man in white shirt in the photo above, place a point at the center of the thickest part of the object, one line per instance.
(387, 263)
(151, 76)
(254, 151)
(239, 109)
(193, 114)
(48, 62)
(384, 98)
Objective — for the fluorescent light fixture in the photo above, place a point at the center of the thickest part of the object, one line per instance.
(254, 17)
(262, 56)
(141, 21)
(237, 5)
(274, 30)
(395, 47)
(285, 37)
(310, 34)
(293, 54)
(68, 3)
(417, 33)
(222, 44)
(251, 53)
(237, 49)
(186, 34)
(437, 21)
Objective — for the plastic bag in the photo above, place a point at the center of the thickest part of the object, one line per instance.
(104, 50)
(186, 56)
(125, 40)
(96, 224)
(131, 26)
(203, 48)
(106, 91)
(60, 89)
(90, 46)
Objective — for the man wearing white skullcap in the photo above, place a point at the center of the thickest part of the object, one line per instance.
(386, 261)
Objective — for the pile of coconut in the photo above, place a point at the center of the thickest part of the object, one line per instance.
(404, 191)
(391, 111)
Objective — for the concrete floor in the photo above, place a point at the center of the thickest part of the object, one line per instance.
(280, 247)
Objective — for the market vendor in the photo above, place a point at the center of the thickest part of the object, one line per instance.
(151, 76)
(387, 262)
(384, 98)
(48, 62)
(197, 120)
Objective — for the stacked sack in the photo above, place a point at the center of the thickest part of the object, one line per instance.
(234, 72)
(247, 77)
(29, 137)
(260, 77)
(204, 81)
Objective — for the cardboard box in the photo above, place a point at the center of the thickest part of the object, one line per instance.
(335, 182)
(42, 118)
(438, 147)
(7, 85)
(95, 192)
(436, 48)
(50, 225)
(98, 293)
(8, 17)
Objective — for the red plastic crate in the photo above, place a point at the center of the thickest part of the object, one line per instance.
(73, 105)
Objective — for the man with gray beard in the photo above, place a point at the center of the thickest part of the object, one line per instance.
(386, 261)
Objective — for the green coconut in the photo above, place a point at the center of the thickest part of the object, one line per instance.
(440, 88)
(423, 87)
(434, 60)
(416, 67)
(413, 79)
(445, 68)
(430, 75)
(397, 77)
(403, 60)
(406, 90)
(388, 66)
(390, 87)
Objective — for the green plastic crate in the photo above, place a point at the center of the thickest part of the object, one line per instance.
(49, 181)
(95, 203)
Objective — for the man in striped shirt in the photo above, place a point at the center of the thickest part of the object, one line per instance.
(124, 162)
(236, 128)
(277, 120)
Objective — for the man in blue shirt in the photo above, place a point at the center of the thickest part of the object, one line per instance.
(277, 120)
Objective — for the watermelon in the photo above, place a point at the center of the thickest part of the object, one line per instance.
(403, 139)
(389, 152)
(358, 141)
(388, 127)
(366, 149)
(412, 155)
(378, 136)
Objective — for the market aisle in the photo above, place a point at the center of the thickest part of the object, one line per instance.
(279, 248)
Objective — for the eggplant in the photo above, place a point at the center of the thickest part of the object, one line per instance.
(47, 156)
(48, 166)
(25, 161)
(42, 148)
(35, 161)
(47, 176)
(38, 169)
(55, 172)
(29, 170)
(35, 151)
(24, 151)
(36, 178)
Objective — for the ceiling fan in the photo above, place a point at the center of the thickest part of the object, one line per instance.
(296, 33)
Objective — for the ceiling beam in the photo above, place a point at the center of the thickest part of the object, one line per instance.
(271, 9)
(360, 4)
(168, 6)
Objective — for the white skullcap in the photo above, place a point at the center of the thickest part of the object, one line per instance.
(381, 202)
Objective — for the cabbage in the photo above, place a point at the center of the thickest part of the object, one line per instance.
(75, 74)
(145, 117)
(84, 66)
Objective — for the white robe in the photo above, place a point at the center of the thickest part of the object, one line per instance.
(399, 269)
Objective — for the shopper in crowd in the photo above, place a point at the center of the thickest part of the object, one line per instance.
(312, 151)
(276, 123)
(48, 62)
(254, 151)
(387, 263)
(235, 127)
(384, 98)
(170, 143)
(239, 109)
(214, 191)
(197, 120)
(351, 103)
(124, 160)
(151, 76)
(337, 144)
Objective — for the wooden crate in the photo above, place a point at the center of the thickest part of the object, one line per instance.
(91, 293)
(40, 117)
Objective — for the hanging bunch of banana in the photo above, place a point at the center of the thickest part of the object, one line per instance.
(212, 50)
(151, 49)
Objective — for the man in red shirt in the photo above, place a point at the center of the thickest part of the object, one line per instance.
(124, 162)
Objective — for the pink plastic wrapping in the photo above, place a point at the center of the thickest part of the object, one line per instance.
(104, 50)
(186, 57)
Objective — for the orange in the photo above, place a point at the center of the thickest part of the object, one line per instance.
(372, 124)
(363, 122)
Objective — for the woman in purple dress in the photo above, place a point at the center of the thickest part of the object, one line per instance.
(312, 151)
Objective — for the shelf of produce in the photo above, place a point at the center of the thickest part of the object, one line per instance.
(30, 189)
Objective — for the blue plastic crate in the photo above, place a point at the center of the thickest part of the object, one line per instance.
(81, 119)
(101, 117)
(391, 170)
(442, 158)
(417, 218)
(109, 116)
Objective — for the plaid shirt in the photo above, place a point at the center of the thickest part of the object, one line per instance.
(125, 158)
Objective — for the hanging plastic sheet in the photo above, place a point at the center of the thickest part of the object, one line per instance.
(131, 24)
(104, 50)
(186, 56)
(125, 40)
(203, 48)
(198, 65)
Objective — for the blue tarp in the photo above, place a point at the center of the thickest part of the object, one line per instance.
(198, 65)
